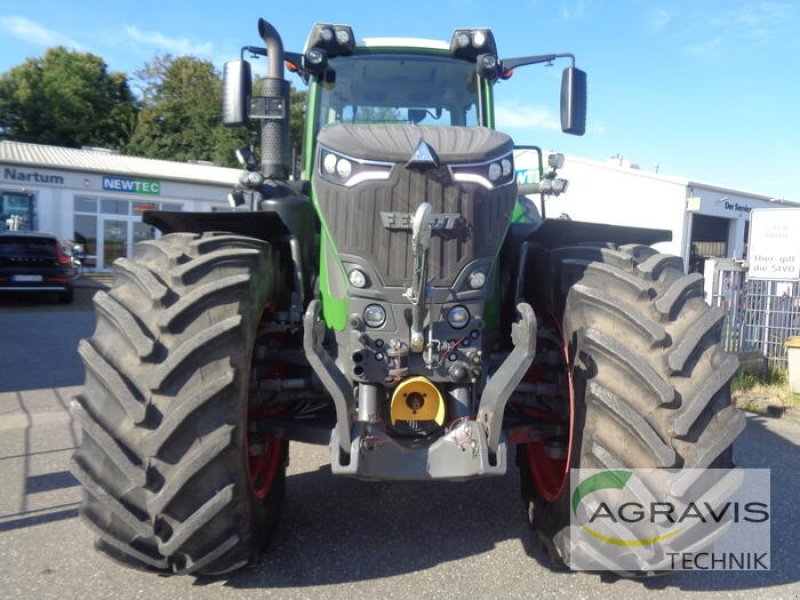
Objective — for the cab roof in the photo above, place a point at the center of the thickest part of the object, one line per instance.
(390, 42)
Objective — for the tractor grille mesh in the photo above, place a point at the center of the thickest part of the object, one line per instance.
(353, 217)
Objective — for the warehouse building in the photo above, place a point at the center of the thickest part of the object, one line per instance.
(97, 197)
(706, 221)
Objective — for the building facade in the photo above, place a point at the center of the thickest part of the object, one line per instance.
(97, 197)
(707, 221)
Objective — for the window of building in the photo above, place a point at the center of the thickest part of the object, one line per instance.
(709, 240)
(85, 205)
(16, 211)
(115, 207)
(86, 234)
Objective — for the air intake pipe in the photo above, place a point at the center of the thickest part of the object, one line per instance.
(275, 150)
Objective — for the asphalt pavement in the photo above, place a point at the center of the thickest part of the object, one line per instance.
(339, 538)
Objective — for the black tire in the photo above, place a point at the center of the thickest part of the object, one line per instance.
(164, 459)
(66, 296)
(650, 377)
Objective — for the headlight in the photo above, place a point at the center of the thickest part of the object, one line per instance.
(490, 174)
(329, 163)
(477, 279)
(348, 171)
(342, 37)
(357, 278)
(254, 179)
(344, 168)
(555, 160)
(374, 315)
(469, 43)
(458, 317)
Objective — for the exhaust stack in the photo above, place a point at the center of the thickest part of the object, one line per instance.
(274, 111)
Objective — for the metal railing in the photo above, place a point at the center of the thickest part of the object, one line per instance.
(760, 316)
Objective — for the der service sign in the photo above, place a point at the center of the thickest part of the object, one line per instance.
(774, 247)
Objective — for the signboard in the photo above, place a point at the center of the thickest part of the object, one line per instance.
(15, 174)
(133, 186)
(774, 246)
(527, 176)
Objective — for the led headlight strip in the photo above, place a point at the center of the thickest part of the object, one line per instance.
(489, 174)
(348, 171)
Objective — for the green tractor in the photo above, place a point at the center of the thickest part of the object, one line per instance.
(402, 301)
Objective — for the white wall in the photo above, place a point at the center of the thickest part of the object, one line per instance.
(616, 193)
(608, 193)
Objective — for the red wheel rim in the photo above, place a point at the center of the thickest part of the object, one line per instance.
(263, 465)
(550, 475)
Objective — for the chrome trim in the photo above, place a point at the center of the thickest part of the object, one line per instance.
(473, 178)
(360, 161)
(367, 176)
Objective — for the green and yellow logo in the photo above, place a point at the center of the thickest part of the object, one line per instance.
(613, 480)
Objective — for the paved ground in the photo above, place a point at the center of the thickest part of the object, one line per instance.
(339, 538)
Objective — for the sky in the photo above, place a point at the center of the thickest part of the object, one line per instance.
(704, 89)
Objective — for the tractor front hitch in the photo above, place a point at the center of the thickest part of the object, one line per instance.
(332, 378)
(506, 379)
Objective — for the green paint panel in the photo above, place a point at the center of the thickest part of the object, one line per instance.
(491, 309)
(334, 310)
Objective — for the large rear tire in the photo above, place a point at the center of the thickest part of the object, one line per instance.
(172, 479)
(648, 377)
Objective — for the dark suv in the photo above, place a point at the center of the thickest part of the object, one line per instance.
(34, 262)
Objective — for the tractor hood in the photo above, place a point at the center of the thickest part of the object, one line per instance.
(397, 143)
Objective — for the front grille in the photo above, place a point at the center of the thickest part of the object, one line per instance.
(353, 217)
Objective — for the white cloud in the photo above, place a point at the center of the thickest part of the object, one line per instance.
(704, 48)
(757, 20)
(518, 116)
(597, 129)
(574, 10)
(34, 33)
(659, 20)
(751, 24)
(161, 42)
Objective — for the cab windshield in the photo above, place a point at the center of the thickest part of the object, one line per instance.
(404, 88)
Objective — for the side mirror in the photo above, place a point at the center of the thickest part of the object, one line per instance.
(573, 101)
(237, 85)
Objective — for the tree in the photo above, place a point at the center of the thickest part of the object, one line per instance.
(180, 117)
(66, 98)
(297, 119)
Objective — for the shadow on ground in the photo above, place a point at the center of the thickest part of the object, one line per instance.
(339, 530)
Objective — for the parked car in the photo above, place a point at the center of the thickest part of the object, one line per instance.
(34, 262)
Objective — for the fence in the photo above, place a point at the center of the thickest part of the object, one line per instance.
(761, 314)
